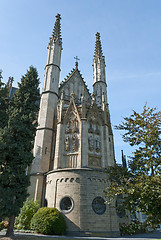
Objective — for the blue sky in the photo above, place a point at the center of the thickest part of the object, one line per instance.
(131, 39)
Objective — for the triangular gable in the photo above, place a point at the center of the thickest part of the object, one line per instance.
(70, 76)
(71, 112)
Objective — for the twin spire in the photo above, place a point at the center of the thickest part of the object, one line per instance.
(98, 46)
(57, 35)
(57, 29)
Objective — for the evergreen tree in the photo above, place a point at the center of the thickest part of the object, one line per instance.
(140, 185)
(16, 144)
(4, 102)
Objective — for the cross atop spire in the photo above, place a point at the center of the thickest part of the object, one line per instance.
(57, 28)
(76, 61)
(98, 46)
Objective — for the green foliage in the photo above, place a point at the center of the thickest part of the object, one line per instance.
(16, 144)
(4, 101)
(28, 210)
(143, 131)
(48, 221)
(133, 228)
(140, 185)
(3, 225)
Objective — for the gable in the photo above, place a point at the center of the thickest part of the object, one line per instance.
(75, 83)
(71, 113)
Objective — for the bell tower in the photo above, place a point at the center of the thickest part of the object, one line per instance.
(45, 135)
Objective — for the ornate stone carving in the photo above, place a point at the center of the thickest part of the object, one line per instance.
(97, 132)
(67, 144)
(74, 143)
(98, 145)
(91, 143)
(68, 130)
(90, 130)
(75, 128)
(94, 161)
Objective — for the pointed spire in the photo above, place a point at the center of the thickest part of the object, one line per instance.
(98, 46)
(57, 29)
(1, 74)
(124, 164)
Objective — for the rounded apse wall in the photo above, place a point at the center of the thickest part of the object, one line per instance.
(78, 194)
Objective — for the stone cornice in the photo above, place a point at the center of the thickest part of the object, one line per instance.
(100, 82)
(49, 92)
(52, 64)
(46, 128)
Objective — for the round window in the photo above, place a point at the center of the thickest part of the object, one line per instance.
(66, 204)
(98, 205)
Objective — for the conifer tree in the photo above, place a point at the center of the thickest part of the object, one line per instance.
(4, 101)
(16, 144)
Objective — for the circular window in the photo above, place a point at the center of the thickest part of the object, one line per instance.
(66, 204)
(98, 205)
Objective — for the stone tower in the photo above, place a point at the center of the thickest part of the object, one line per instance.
(46, 131)
(74, 144)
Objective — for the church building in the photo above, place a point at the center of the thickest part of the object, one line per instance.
(74, 144)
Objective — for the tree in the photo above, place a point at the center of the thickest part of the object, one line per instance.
(140, 185)
(4, 101)
(16, 144)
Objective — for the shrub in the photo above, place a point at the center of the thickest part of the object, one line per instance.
(28, 210)
(48, 221)
(3, 224)
(132, 228)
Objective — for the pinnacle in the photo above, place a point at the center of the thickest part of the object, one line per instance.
(57, 29)
(98, 46)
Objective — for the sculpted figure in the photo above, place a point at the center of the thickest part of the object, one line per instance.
(67, 143)
(98, 145)
(74, 139)
(91, 143)
(68, 128)
(75, 126)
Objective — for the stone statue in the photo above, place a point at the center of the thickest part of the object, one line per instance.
(98, 145)
(91, 143)
(75, 145)
(67, 143)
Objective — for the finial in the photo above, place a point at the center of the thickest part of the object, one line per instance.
(93, 97)
(57, 28)
(76, 61)
(73, 95)
(98, 46)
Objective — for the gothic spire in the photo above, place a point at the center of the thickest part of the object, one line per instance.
(98, 46)
(57, 28)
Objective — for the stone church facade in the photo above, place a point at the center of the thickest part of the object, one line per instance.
(74, 144)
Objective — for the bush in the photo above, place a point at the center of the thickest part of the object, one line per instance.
(48, 221)
(28, 210)
(3, 224)
(133, 228)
